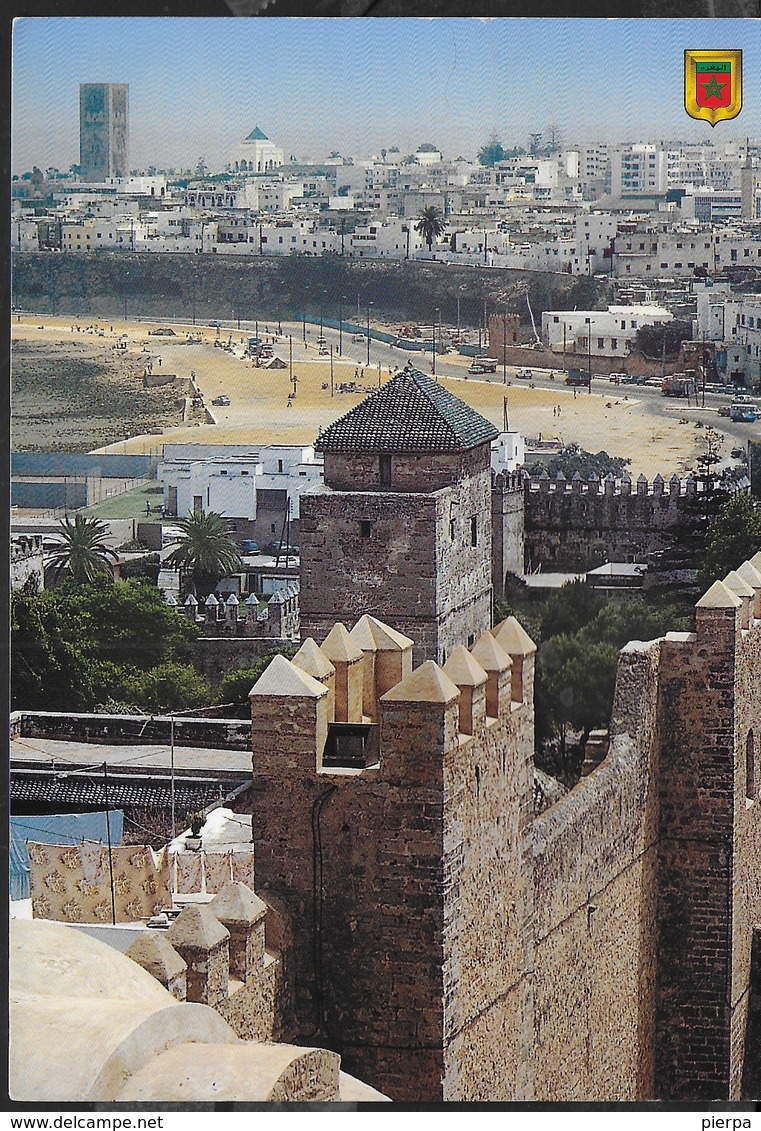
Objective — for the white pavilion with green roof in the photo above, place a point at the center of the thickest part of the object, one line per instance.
(257, 154)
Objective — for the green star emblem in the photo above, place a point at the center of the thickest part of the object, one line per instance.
(713, 88)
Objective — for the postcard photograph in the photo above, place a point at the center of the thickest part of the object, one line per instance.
(385, 553)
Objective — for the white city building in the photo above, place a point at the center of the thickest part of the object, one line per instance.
(253, 488)
(599, 333)
(256, 154)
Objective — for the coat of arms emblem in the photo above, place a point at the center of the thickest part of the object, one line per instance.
(713, 85)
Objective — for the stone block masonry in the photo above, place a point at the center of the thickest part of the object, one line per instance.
(420, 562)
(453, 946)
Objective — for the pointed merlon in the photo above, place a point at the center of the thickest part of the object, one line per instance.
(748, 572)
(737, 585)
(383, 636)
(463, 670)
(153, 951)
(490, 655)
(237, 904)
(339, 647)
(427, 684)
(513, 638)
(719, 597)
(195, 927)
(756, 561)
(281, 677)
(362, 635)
(312, 660)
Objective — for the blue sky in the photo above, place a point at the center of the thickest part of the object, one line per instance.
(197, 86)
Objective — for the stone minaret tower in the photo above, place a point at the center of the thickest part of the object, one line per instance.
(402, 527)
(103, 130)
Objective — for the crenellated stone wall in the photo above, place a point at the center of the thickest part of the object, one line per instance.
(452, 945)
(386, 872)
(577, 523)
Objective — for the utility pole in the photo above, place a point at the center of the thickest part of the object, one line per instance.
(108, 839)
(331, 369)
(171, 780)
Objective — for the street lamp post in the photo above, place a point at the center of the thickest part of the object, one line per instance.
(304, 325)
(368, 332)
(331, 369)
(340, 327)
(504, 348)
(589, 353)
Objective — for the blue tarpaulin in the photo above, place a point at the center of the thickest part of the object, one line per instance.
(64, 828)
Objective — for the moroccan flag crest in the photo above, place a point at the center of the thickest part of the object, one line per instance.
(713, 84)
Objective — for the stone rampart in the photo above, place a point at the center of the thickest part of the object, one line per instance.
(578, 522)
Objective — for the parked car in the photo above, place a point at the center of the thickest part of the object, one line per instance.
(617, 378)
(524, 374)
(476, 369)
(221, 400)
(724, 410)
(283, 548)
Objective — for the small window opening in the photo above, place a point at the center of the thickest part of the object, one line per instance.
(365, 528)
(751, 785)
(384, 466)
(451, 529)
(347, 745)
(474, 532)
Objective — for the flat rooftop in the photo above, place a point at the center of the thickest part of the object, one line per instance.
(143, 758)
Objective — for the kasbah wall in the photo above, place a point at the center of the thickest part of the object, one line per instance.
(450, 944)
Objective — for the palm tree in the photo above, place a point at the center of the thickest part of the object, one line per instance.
(205, 550)
(430, 224)
(83, 554)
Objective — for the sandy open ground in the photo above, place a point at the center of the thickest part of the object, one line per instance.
(260, 411)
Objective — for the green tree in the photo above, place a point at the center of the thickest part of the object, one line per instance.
(572, 458)
(734, 537)
(650, 339)
(430, 224)
(205, 552)
(570, 609)
(80, 645)
(48, 672)
(84, 552)
(167, 687)
(237, 682)
(491, 153)
(126, 622)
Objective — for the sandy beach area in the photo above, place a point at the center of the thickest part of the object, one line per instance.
(109, 410)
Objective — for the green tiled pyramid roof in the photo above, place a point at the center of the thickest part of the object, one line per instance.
(410, 413)
(257, 135)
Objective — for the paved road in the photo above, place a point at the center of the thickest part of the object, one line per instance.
(354, 354)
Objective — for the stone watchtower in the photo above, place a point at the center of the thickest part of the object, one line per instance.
(401, 528)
